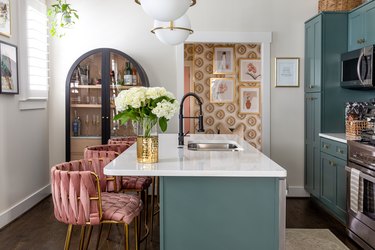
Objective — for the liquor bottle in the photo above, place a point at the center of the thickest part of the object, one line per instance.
(76, 126)
(112, 75)
(128, 78)
(134, 76)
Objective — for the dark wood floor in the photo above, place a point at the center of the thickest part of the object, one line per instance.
(38, 229)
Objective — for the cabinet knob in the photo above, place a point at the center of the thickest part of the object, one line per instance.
(340, 151)
(311, 86)
(332, 163)
(325, 146)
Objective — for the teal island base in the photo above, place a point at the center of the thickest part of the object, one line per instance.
(222, 213)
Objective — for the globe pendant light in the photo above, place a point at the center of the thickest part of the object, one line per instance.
(165, 10)
(173, 32)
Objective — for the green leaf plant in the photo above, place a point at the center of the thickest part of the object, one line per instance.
(62, 16)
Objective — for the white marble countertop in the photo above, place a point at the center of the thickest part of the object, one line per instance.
(174, 161)
(339, 137)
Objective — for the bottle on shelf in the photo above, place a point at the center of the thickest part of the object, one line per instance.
(113, 80)
(134, 76)
(128, 77)
(76, 125)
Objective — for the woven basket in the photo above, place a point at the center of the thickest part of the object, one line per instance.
(338, 5)
(353, 129)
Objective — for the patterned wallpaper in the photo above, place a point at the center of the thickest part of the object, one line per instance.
(200, 56)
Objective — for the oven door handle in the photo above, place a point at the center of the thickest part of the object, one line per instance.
(361, 174)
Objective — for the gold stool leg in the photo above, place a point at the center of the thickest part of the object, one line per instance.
(135, 233)
(68, 236)
(82, 237)
(126, 239)
(88, 237)
(99, 234)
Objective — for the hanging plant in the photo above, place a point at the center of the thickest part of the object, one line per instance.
(62, 16)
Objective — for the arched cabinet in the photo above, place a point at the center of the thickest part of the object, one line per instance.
(93, 81)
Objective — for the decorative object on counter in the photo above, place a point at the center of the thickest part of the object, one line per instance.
(250, 70)
(338, 5)
(222, 90)
(9, 69)
(355, 120)
(287, 72)
(249, 100)
(5, 18)
(239, 130)
(223, 60)
(62, 16)
(148, 107)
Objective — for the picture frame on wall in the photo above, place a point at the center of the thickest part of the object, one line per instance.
(222, 90)
(250, 70)
(249, 100)
(223, 60)
(9, 69)
(286, 72)
(5, 18)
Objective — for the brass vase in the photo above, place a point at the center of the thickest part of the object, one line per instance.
(147, 141)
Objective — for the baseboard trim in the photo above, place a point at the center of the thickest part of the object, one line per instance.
(297, 191)
(21, 207)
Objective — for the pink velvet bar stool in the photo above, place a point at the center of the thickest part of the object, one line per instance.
(138, 184)
(79, 199)
(130, 183)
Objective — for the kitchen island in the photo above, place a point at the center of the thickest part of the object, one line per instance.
(213, 199)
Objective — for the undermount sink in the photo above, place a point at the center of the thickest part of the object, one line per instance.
(214, 145)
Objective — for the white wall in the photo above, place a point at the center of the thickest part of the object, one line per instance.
(24, 170)
(123, 25)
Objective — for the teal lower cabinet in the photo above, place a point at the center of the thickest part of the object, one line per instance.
(221, 213)
(333, 178)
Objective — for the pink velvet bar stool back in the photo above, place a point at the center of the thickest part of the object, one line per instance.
(78, 200)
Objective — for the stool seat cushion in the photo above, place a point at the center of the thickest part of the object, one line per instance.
(120, 207)
(136, 182)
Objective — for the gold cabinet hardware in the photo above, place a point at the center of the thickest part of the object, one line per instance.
(332, 163)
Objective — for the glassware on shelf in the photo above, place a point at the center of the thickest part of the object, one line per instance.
(87, 124)
(93, 100)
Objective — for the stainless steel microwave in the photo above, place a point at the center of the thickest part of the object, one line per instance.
(357, 69)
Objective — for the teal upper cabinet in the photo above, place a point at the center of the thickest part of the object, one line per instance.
(361, 27)
(313, 53)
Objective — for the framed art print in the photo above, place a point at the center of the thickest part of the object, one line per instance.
(9, 69)
(223, 60)
(249, 100)
(222, 90)
(5, 18)
(287, 69)
(250, 70)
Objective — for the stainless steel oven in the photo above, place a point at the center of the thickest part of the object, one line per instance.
(361, 193)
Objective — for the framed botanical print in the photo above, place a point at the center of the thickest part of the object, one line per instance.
(249, 100)
(287, 69)
(9, 69)
(250, 70)
(222, 90)
(5, 18)
(223, 60)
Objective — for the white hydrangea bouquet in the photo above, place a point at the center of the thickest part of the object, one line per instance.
(147, 106)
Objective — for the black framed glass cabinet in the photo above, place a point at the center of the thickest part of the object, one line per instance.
(93, 81)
